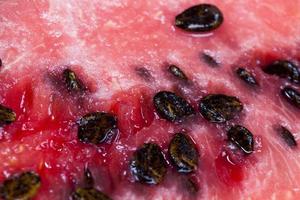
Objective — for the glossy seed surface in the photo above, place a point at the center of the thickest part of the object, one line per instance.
(89, 194)
(241, 137)
(171, 107)
(183, 153)
(7, 115)
(148, 164)
(246, 76)
(95, 127)
(72, 82)
(177, 72)
(284, 69)
(219, 108)
(199, 18)
(288, 137)
(20, 187)
(291, 95)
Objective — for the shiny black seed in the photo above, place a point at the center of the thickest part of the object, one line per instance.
(291, 95)
(88, 178)
(0, 62)
(171, 107)
(284, 69)
(144, 73)
(148, 164)
(20, 187)
(241, 137)
(7, 115)
(219, 108)
(72, 82)
(183, 153)
(177, 72)
(208, 59)
(199, 18)
(96, 127)
(89, 194)
(246, 76)
(287, 137)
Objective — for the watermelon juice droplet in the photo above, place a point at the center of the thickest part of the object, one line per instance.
(228, 172)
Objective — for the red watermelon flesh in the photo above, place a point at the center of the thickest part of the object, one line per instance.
(120, 49)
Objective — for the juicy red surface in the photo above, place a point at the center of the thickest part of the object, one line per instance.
(227, 170)
(104, 41)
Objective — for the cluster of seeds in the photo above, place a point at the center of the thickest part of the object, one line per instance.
(287, 70)
(149, 164)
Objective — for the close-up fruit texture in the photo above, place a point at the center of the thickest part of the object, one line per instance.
(149, 100)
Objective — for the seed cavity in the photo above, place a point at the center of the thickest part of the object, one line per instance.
(144, 73)
(148, 164)
(241, 137)
(96, 127)
(7, 115)
(171, 107)
(190, 185)
(284, 69)
(208, 59)
(183, 153)
(89, 194)
(219, 108)
(73, 83)
(199, 18)
(291, 95)
(287, 137)
(246, 76)
(177, 72)
(20, 187)
(88, 178)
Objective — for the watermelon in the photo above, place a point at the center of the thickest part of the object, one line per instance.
(125, 99)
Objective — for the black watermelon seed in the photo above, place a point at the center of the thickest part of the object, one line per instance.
(20, 187)
(89, 194)
(171, 107)
(219, 108)
(144, 73)
(284, 69)
(183, 153)
(291, 95)
(177, 72)
(246, 76)
(288, 137)
(199, 18)
(208, 59)
(7, 115)
(148, 164)
(1, 62)
(241, 137)
(72, 82)
(88, 178)
(95, 127)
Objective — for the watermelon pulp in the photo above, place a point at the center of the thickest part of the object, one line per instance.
(105, 42)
